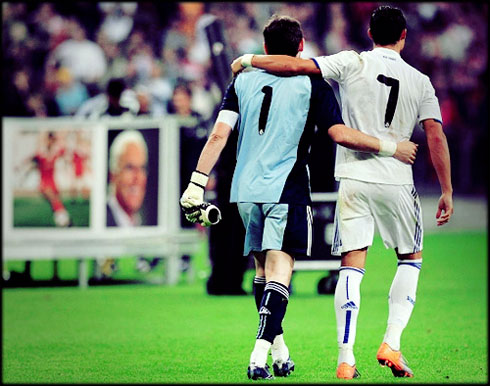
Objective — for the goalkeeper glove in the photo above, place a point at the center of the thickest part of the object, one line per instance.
(193, 205)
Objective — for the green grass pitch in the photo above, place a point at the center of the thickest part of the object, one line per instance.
(159, 334)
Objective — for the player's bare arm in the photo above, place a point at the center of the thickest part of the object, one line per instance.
(276, 64)
(439, 154)
(192, 199)
(405, 151)
(213, 147)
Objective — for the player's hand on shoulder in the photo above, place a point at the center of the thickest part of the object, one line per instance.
(236, 66)
(406, 151)
(445, 209)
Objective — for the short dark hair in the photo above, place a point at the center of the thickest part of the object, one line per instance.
(387, 24)
(282, 35)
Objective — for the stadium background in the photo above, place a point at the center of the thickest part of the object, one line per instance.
(158, 46)
(155, 45)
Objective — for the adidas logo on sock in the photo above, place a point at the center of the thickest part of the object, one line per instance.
(264, 311)
(350, 305)
(411, 300)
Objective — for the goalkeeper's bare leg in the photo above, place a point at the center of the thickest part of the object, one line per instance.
(273, 275)
(279, 350)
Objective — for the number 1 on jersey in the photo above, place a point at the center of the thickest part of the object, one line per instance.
(392, 98)
(264, 111)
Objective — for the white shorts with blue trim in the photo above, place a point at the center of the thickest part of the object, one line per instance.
(394, 209)
(280, 227)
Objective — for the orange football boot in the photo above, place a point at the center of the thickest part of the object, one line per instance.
(345, 371)
(386, 356)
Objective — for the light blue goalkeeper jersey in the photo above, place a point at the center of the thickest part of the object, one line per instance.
(276, 126)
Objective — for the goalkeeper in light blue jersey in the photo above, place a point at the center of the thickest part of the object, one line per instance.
(277, 118)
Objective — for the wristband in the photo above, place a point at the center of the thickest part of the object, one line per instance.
(387, 148)
(200, 179)
(247, 60)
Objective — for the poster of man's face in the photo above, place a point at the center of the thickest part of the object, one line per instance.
(132, 178)
(52, 178)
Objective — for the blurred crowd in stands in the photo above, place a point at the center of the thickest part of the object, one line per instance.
(153, 58)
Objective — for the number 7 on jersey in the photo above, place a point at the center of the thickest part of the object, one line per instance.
(392, 98)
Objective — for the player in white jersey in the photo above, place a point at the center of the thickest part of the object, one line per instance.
(385, 97)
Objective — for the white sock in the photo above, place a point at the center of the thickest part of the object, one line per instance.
(401, 300)
(258, 358)
(347, 302)
(392, 336)
(346, 354)
(279, 350)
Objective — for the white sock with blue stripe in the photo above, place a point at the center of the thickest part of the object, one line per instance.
(347, 302)
(401, 300)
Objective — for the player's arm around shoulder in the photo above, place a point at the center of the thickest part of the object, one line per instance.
(439, 154)
(405, 151)
(276, 64)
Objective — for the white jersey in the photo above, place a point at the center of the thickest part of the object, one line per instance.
(383, 96)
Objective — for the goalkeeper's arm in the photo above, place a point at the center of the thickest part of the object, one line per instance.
(193, 197)
(404, 151)
(213, 147)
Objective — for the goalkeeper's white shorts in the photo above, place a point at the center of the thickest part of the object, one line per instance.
(394, 209)
(280, 227)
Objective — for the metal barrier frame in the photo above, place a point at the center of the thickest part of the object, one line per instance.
(167, 239)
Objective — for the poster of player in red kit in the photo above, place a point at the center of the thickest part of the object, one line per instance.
(52, 174)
